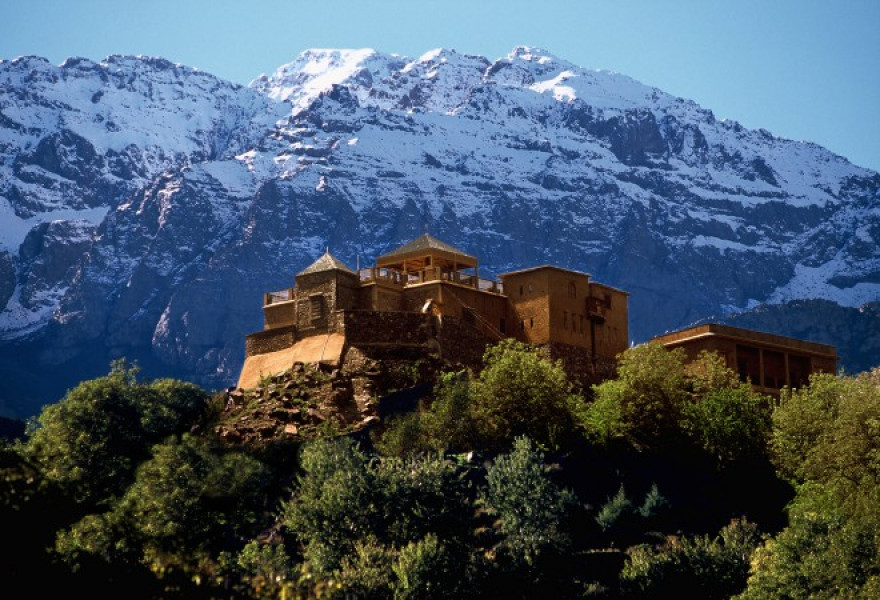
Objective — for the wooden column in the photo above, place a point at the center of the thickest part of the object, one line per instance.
(787, 371)
(761, 365)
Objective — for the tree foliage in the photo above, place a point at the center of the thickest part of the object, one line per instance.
(365, 521)
(530, 508)
(692, 567)
(90, 442)
(826, 441)
(643, 404)
(519, 392)
(188, 502)
(659, 400)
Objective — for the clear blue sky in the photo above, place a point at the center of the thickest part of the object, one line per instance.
(803, 69)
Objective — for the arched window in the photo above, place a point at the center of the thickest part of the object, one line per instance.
(572, 289)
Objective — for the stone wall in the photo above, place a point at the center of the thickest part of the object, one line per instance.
(270, 340)
(582, 368)
(387, 327)
(461, 344)
(321, 284)
(347, 291)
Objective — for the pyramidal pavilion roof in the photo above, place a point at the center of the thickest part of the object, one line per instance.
(327, 262)
(425, 242)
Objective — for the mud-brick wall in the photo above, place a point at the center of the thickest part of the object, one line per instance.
(612, 336)
(387, 327)
(269, 341)
(529, 295)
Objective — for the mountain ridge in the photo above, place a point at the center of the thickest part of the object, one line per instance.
(155, 237)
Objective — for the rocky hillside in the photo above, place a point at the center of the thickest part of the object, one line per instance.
(145, 206)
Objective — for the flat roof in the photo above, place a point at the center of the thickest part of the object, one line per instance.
(746, 335)
(610, 287)
(542, 267)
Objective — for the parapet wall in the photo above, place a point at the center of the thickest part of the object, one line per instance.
(270, 340)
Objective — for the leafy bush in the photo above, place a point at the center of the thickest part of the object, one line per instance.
(826, 440)
(643, 404)
(187, 502)
(729, 423)
(357, 518)
(691, 567)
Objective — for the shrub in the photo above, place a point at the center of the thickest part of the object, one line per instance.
(691, 567)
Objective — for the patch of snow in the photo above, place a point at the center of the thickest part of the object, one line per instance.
(13, 228)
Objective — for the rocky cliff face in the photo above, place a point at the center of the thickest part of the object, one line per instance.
(145, 206)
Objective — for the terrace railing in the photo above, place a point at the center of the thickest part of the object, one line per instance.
(430, 274)
(276, 297)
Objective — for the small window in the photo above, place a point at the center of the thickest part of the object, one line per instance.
(520, 290)
(502, 326)
(608, 301)
(522, 325)
(531, 322)
(572, 289)
(316, 307)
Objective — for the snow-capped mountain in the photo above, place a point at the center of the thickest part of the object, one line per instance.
(145, 206)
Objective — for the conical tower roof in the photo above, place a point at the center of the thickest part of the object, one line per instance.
(327, 262)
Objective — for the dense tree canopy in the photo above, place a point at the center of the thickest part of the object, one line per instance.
(503, 484)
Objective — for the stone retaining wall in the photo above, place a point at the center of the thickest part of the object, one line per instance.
(270, 340)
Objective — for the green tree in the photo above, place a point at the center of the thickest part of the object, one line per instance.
(450, 423)
(357, 518)
(529, 507)
(187, 503)
(643, 405)
(90, 442)
(729, 423)
(613, 509)
(826, 441)
(521, 393)
(518, 392)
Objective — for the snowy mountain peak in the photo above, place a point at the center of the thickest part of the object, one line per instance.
(132, 189)
(313, 72)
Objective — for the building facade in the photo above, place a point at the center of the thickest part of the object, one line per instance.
(769, 362)
(430, 294)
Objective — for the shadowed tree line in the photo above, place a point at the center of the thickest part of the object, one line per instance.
(672, 480)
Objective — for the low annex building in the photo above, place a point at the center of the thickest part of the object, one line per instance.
(428, 297)
(770, 362)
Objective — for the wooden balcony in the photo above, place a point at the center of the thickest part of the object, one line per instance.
(428, 275)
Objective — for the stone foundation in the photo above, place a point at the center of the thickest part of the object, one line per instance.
(582, 368)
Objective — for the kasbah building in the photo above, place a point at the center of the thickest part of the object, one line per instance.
(426, 299)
